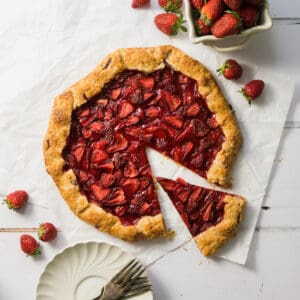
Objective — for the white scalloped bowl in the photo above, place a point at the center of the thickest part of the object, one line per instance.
(229, 43)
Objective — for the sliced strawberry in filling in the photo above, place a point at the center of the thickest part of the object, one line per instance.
(200, 208)
(109, 133)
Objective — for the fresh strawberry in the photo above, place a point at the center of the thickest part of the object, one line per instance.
(230, 23)
(211, 11)
(169, 23)
(16, 199)
(249, 15)
(29, 245)
(233, 4)
(202, 28)
(197, 4)
(139, 3)
(252, 90)
(171, 5)
(126, 108)
(47, 232)
(230, 69)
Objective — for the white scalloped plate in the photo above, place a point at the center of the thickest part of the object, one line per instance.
(79, 272)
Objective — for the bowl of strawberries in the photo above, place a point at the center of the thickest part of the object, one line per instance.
(226, 25)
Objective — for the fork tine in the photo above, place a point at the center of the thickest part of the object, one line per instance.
(136, 292)
(121, 272)
(135, 272)
(140, 286)
(140, 280)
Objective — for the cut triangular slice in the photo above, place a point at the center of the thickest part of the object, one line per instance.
(211, 216)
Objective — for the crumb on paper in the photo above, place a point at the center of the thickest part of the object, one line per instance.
(171, 234)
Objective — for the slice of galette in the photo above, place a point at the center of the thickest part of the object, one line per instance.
(95, 144)
(212, 217)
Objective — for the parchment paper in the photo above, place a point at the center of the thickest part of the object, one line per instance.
(48, 45)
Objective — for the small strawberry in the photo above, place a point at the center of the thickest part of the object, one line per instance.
(249, 15)
(169, 23)
(230, 69)
(171, 5)
(16, 199)
(230, 23)
(47, 232)
(252, 90)
(211, 11)
(201, 27)
(29, 245)
(233, 4)
(197, 4)
(139, 3)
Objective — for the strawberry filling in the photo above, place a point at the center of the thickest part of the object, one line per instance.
(106, 146)
(200, 208)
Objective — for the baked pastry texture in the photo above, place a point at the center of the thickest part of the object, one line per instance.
(94, 147)
(212, 217)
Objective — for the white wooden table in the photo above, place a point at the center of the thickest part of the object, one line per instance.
(273, 267)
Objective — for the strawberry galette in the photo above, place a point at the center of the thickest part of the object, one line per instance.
(95, 144)
(211, 216)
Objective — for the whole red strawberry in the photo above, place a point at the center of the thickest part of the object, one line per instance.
(249, 15)
(139, 3)
(230, 23)
(16, 199)
(29, 245)
(211, 11)
(169, 23)
(233, 4)
(171, 5)
(201, 27)
(230, 69)
(47, 232)
(197, 4)
(252, 90)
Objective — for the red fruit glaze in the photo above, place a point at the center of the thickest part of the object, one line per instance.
(199, 208)
(164, 111)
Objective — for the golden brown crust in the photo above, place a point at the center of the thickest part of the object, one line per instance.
(214, 237)
(147, 60)
(218, 173)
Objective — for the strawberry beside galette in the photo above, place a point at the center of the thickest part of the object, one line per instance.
(212, 217)
(95, 144)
